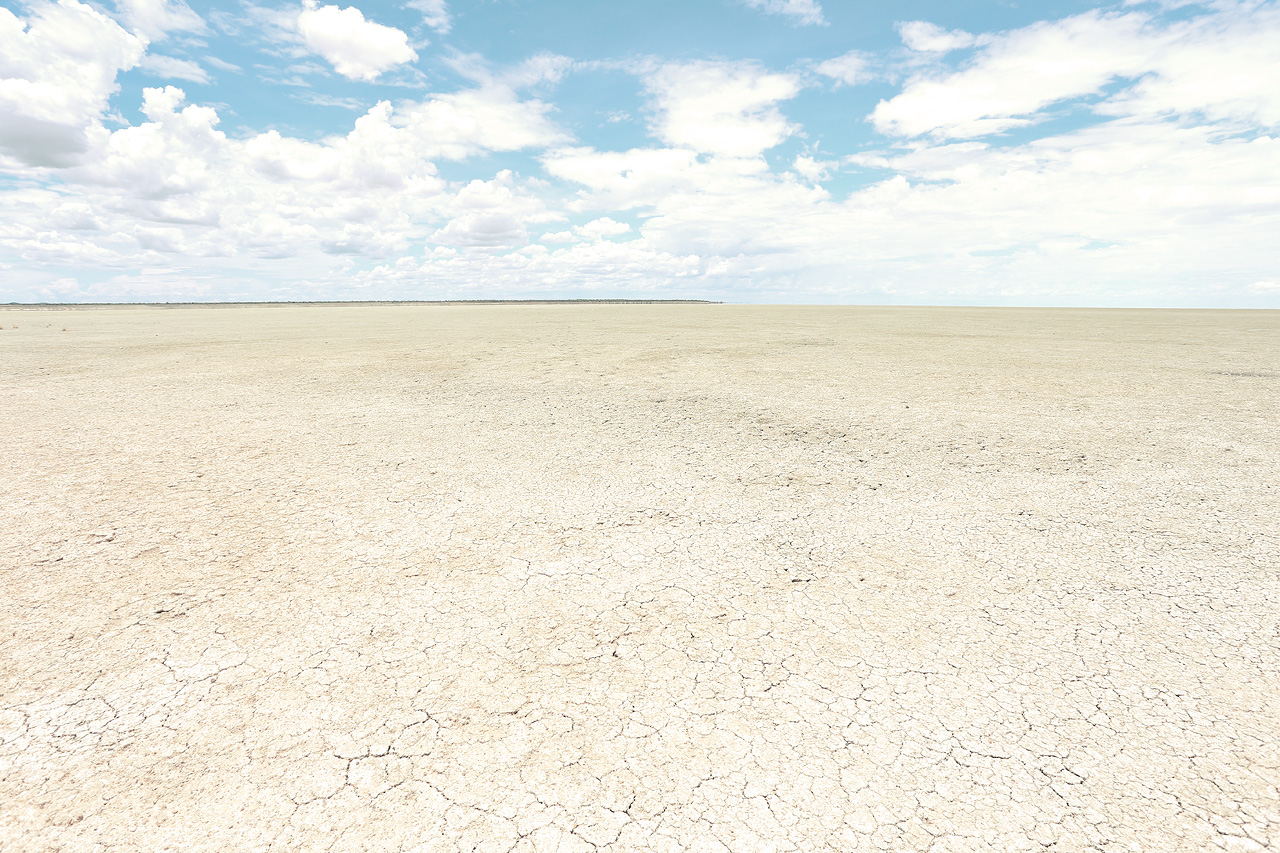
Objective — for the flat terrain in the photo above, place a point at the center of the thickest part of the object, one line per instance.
(674, 578)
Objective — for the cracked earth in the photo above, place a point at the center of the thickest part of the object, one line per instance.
(629, 578)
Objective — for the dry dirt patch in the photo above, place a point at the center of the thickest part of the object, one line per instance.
(639, 578)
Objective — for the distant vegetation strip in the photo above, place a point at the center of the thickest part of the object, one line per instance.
(366, 302)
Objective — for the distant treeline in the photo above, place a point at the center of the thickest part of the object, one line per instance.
(367, 302)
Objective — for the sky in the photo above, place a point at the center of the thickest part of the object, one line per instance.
(949, 152)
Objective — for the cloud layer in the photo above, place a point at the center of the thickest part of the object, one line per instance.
(1110, 157)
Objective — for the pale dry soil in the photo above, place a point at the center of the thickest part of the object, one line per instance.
(673, 578)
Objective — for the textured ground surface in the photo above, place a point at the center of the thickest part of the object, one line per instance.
(707, 578)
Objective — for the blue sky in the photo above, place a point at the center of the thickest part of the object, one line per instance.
(1052, 153)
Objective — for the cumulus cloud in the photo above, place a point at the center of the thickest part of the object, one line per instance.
(57, 70)
(1167, 177)
(491, 118)
(174, 152)
(850, 68)
(1063, 217)
(435, 14)
(810, 168)
(357, 48)
(75, 216)
(721, 107)
(926, 37)
(598, 229)
(176, 185)
(800, 11)
(624, 180)
(717, 206)
(502, 196)
(483, 230)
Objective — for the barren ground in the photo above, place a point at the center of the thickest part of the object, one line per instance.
(676, 578)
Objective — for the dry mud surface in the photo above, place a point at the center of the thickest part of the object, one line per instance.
(672, 578)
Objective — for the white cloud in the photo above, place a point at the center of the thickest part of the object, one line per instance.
(1224, 65)
(598, 229)
(1169, 183)
(221, 64)
(801, 11)
(435, 14)
(719, 206)
(930, 38)
(622, 180)
(504, 195)
(540, 68)
(172, 67)
(308, 96)
(1165, 188)
(1083, 188)
(721, 107)
(57, 70)
(483, 230)
(155, 19)
(357, 48)
(1019, 74)
(283, 158)
(604, 267)
(174, 153)
(491, 118)
(176, 185)
(811, 169)
(851, 68)
(75, 216)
